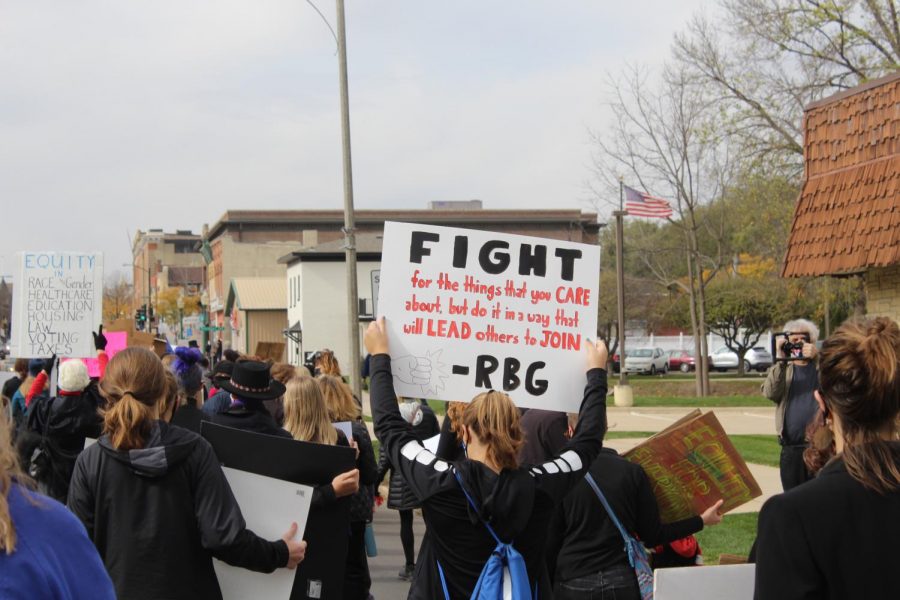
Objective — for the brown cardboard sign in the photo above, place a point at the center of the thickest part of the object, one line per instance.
(273, 351)
(692, 464)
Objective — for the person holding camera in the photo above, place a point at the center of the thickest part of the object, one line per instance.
(790, 384)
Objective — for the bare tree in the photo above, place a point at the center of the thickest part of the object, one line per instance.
(767, 59)
(664, 136)
(117, 298)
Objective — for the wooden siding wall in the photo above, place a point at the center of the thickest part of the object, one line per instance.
(265, 326)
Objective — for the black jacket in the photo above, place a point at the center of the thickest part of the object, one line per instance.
(363, 500)
(58, 426)
(158, 515)
(583, 539)
(400, 495)
(518, 503)
(829, 538)
(188, 416)
(253, 416)
(545, 435)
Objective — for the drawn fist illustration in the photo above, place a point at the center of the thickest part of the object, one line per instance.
(412, 370)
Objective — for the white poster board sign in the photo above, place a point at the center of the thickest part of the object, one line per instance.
(346, 428)
(723, 582)
(468, 311)
(269, 507)
(57, 303)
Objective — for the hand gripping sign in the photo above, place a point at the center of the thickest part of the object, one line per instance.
(468, 311)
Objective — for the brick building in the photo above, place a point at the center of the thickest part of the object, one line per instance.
(847, 219)
(163, 260)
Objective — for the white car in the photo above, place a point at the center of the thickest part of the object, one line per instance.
(757, 358)
(646, 360)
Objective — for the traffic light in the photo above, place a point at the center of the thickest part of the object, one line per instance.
(140, 318)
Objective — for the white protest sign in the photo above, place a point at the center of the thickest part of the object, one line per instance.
(346, 428)
(724, 582)
(468, 311)
(269, 507)
(57, 303)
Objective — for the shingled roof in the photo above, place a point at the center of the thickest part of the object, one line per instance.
(848, 216)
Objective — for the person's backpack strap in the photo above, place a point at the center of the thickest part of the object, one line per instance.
(443, 580)
(637, 555)
(475, 507)
(606, 505)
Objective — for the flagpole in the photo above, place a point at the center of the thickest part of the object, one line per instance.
(622, 392)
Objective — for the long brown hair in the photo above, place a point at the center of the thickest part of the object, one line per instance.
(859, 377)
(494, 418)
(134, 385)
(283, 372)
(455, 412)
(338, 399)
(305, 415)
(327, 363)
(170, 400)
(10, 471)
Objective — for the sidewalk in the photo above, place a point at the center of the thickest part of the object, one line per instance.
(734, 420)
(384, 567)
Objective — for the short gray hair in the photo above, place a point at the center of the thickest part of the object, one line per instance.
(799, 325)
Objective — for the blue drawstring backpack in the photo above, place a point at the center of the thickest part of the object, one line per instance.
(504, 576)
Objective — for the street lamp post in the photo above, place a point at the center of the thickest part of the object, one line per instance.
(180, 303)
(149, 288)
(349, 233)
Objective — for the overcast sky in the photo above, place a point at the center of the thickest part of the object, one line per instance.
(116, 116)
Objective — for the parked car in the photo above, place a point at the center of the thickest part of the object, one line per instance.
(756, 358)
(646, 360)
(682, 360)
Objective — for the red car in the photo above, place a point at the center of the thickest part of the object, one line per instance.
(683, 360)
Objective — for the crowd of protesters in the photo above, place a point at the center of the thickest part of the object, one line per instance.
(148, 507)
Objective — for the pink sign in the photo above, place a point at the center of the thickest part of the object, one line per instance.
(115, 341)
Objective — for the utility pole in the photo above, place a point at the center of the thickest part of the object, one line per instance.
(349, 233)
(622, 392)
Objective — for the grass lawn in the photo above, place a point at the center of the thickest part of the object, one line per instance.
(679, 385)
(691, 401)
(618, 435)
(758, 449)
(734, 535)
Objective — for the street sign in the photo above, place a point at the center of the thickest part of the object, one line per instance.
(375, 277)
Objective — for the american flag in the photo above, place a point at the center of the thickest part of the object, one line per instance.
(639, 204)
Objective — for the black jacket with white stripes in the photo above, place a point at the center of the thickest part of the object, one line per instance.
(517, 503)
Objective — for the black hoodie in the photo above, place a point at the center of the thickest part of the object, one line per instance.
(159, 514)
(59, 426)
(518, 503)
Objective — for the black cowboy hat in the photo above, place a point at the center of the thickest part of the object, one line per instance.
(223, 370)
(252, 380)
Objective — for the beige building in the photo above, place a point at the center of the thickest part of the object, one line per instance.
(256, 311)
